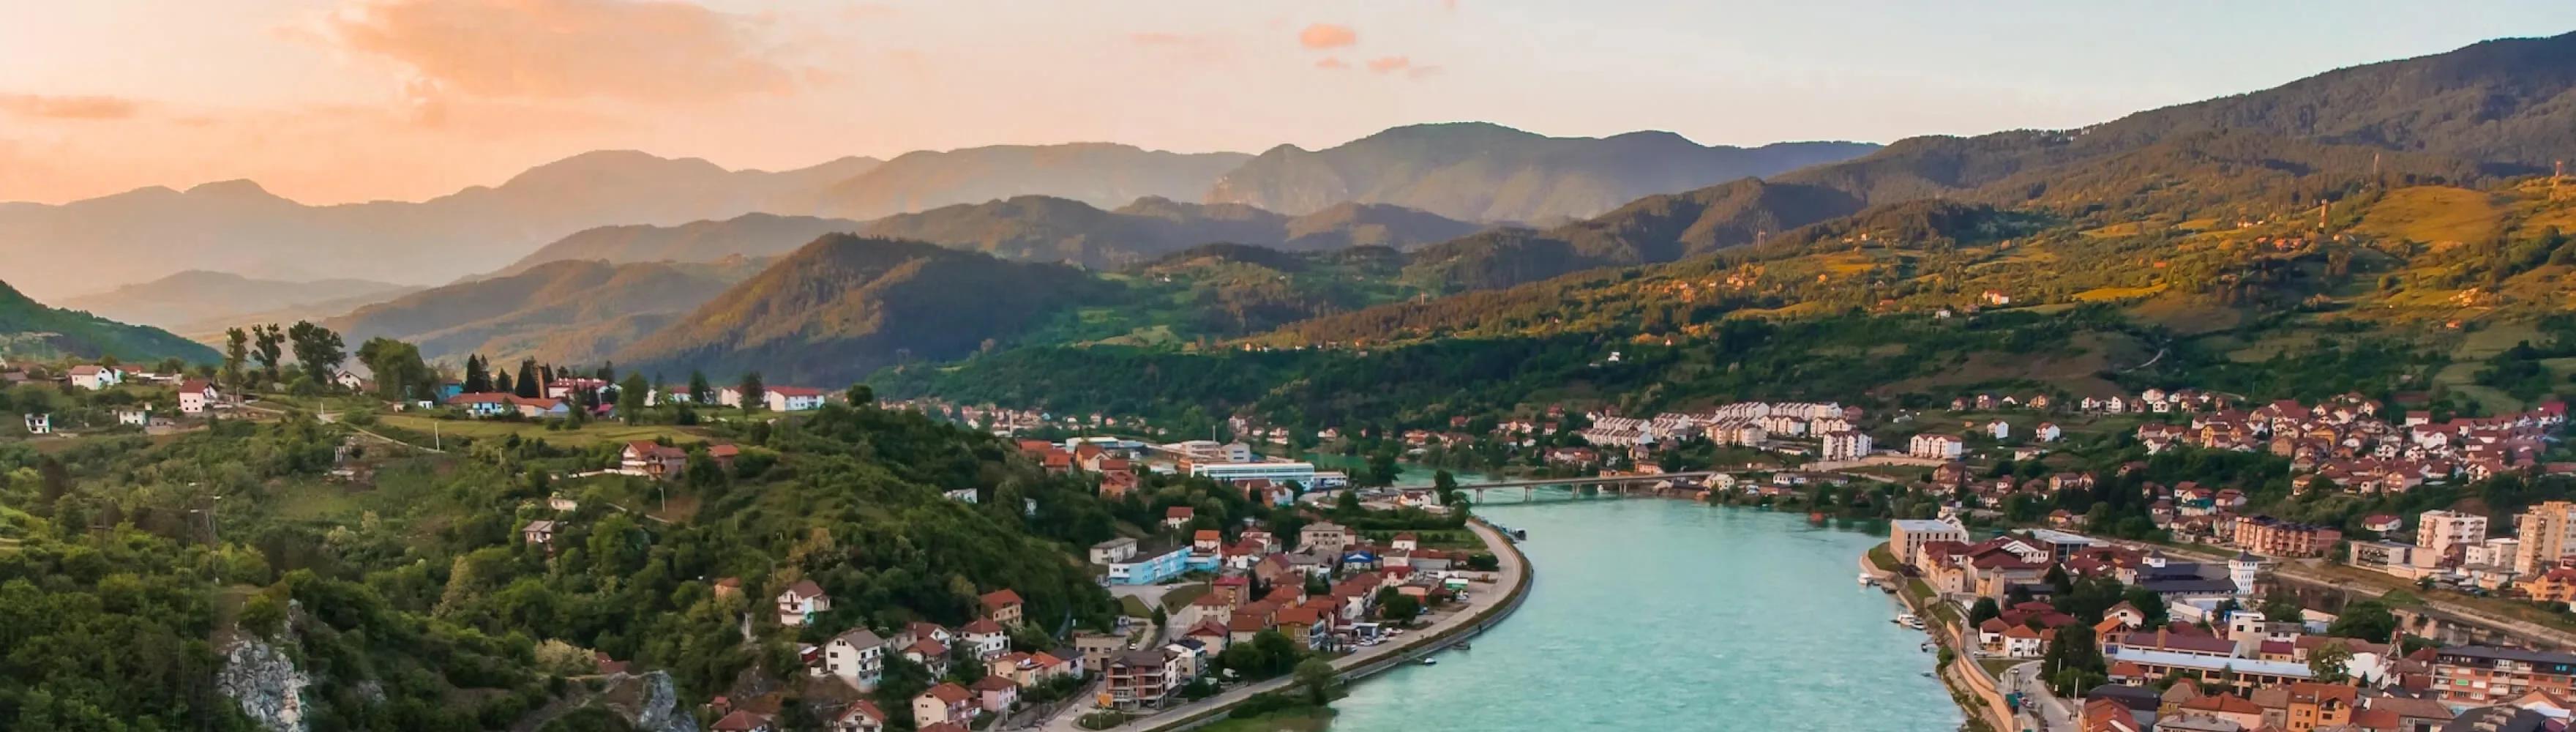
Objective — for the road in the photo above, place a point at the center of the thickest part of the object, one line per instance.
(2050, 712)
(1486, 596)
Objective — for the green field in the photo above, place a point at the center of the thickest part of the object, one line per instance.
(590, 434)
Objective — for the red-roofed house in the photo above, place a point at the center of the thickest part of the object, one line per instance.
(1003, 606)
(946, 702)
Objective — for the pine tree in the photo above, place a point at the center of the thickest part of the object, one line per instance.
(754, 395)
(630, 398)
(700, 392)
(531, 385)
(503, 384)
(478, 375)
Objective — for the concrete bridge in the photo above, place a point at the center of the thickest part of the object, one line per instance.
(1529, 487)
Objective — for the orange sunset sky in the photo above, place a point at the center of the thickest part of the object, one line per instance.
(330, 101)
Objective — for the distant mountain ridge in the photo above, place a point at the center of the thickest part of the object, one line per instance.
(755, 235)
(236, 226)
(571, 311)
(1095, 173)
(199, 300)
(1021, 228)
(29, 329)
(1475, 171)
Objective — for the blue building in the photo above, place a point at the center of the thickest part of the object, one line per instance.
(1150, 567)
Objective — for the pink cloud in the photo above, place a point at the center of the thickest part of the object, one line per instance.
(640, 50)
(1389, 64)
(84, 107)
(1327, 35)
(1334, 63)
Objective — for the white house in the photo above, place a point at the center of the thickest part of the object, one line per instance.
(801, 602)
(987, 638)
(793, 399)
(856, 656)
(95, 377)
(196, 395)
(2000, 429)
(348, 380)
(2047, 432)
(40, 424)
(730, 396)
(134, 417)
(2022, 642)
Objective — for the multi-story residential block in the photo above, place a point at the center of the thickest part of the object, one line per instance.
(2547, 531)
(2481, 675)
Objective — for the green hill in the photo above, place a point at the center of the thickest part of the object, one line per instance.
(1049, 229)
(30, 330)
(846, 305)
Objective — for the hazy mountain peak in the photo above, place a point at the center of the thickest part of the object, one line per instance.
(240, 189)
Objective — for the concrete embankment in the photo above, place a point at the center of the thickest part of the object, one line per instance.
(1963, 675)
(1516, 578)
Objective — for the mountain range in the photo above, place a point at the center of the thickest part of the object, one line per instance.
(1476, 171)
(239, 227)
(201, 304)
(2495, 108)
(1023, 228)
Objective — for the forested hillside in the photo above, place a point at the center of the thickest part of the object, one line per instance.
(1475, 171)
(846, 305)
(29, 330)
(412, 602)
(574, 311)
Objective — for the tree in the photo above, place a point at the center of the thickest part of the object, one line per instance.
(2281, 606)
(317, 349)
(501, 383)
(530, 386)
(2367, 620)
(699, 391)
(398, 368)
(860, 394)
(268, 344)
(478, 375)
(630, 398)
(1985, 609)
(1382, 468)
(1446, 486)
(1317, 677)
(2327, 664)
(754, 396)
(236, 353)
(1397, 607)
(2149, 604)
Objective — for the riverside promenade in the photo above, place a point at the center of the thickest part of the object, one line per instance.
(1491, 604)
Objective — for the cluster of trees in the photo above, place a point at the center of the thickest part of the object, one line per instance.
(318, 351)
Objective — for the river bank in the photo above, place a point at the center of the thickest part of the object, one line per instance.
(1492, 605)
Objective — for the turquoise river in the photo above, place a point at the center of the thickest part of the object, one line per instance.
(1658, 614)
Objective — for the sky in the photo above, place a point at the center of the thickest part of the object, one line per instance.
(331, 101)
